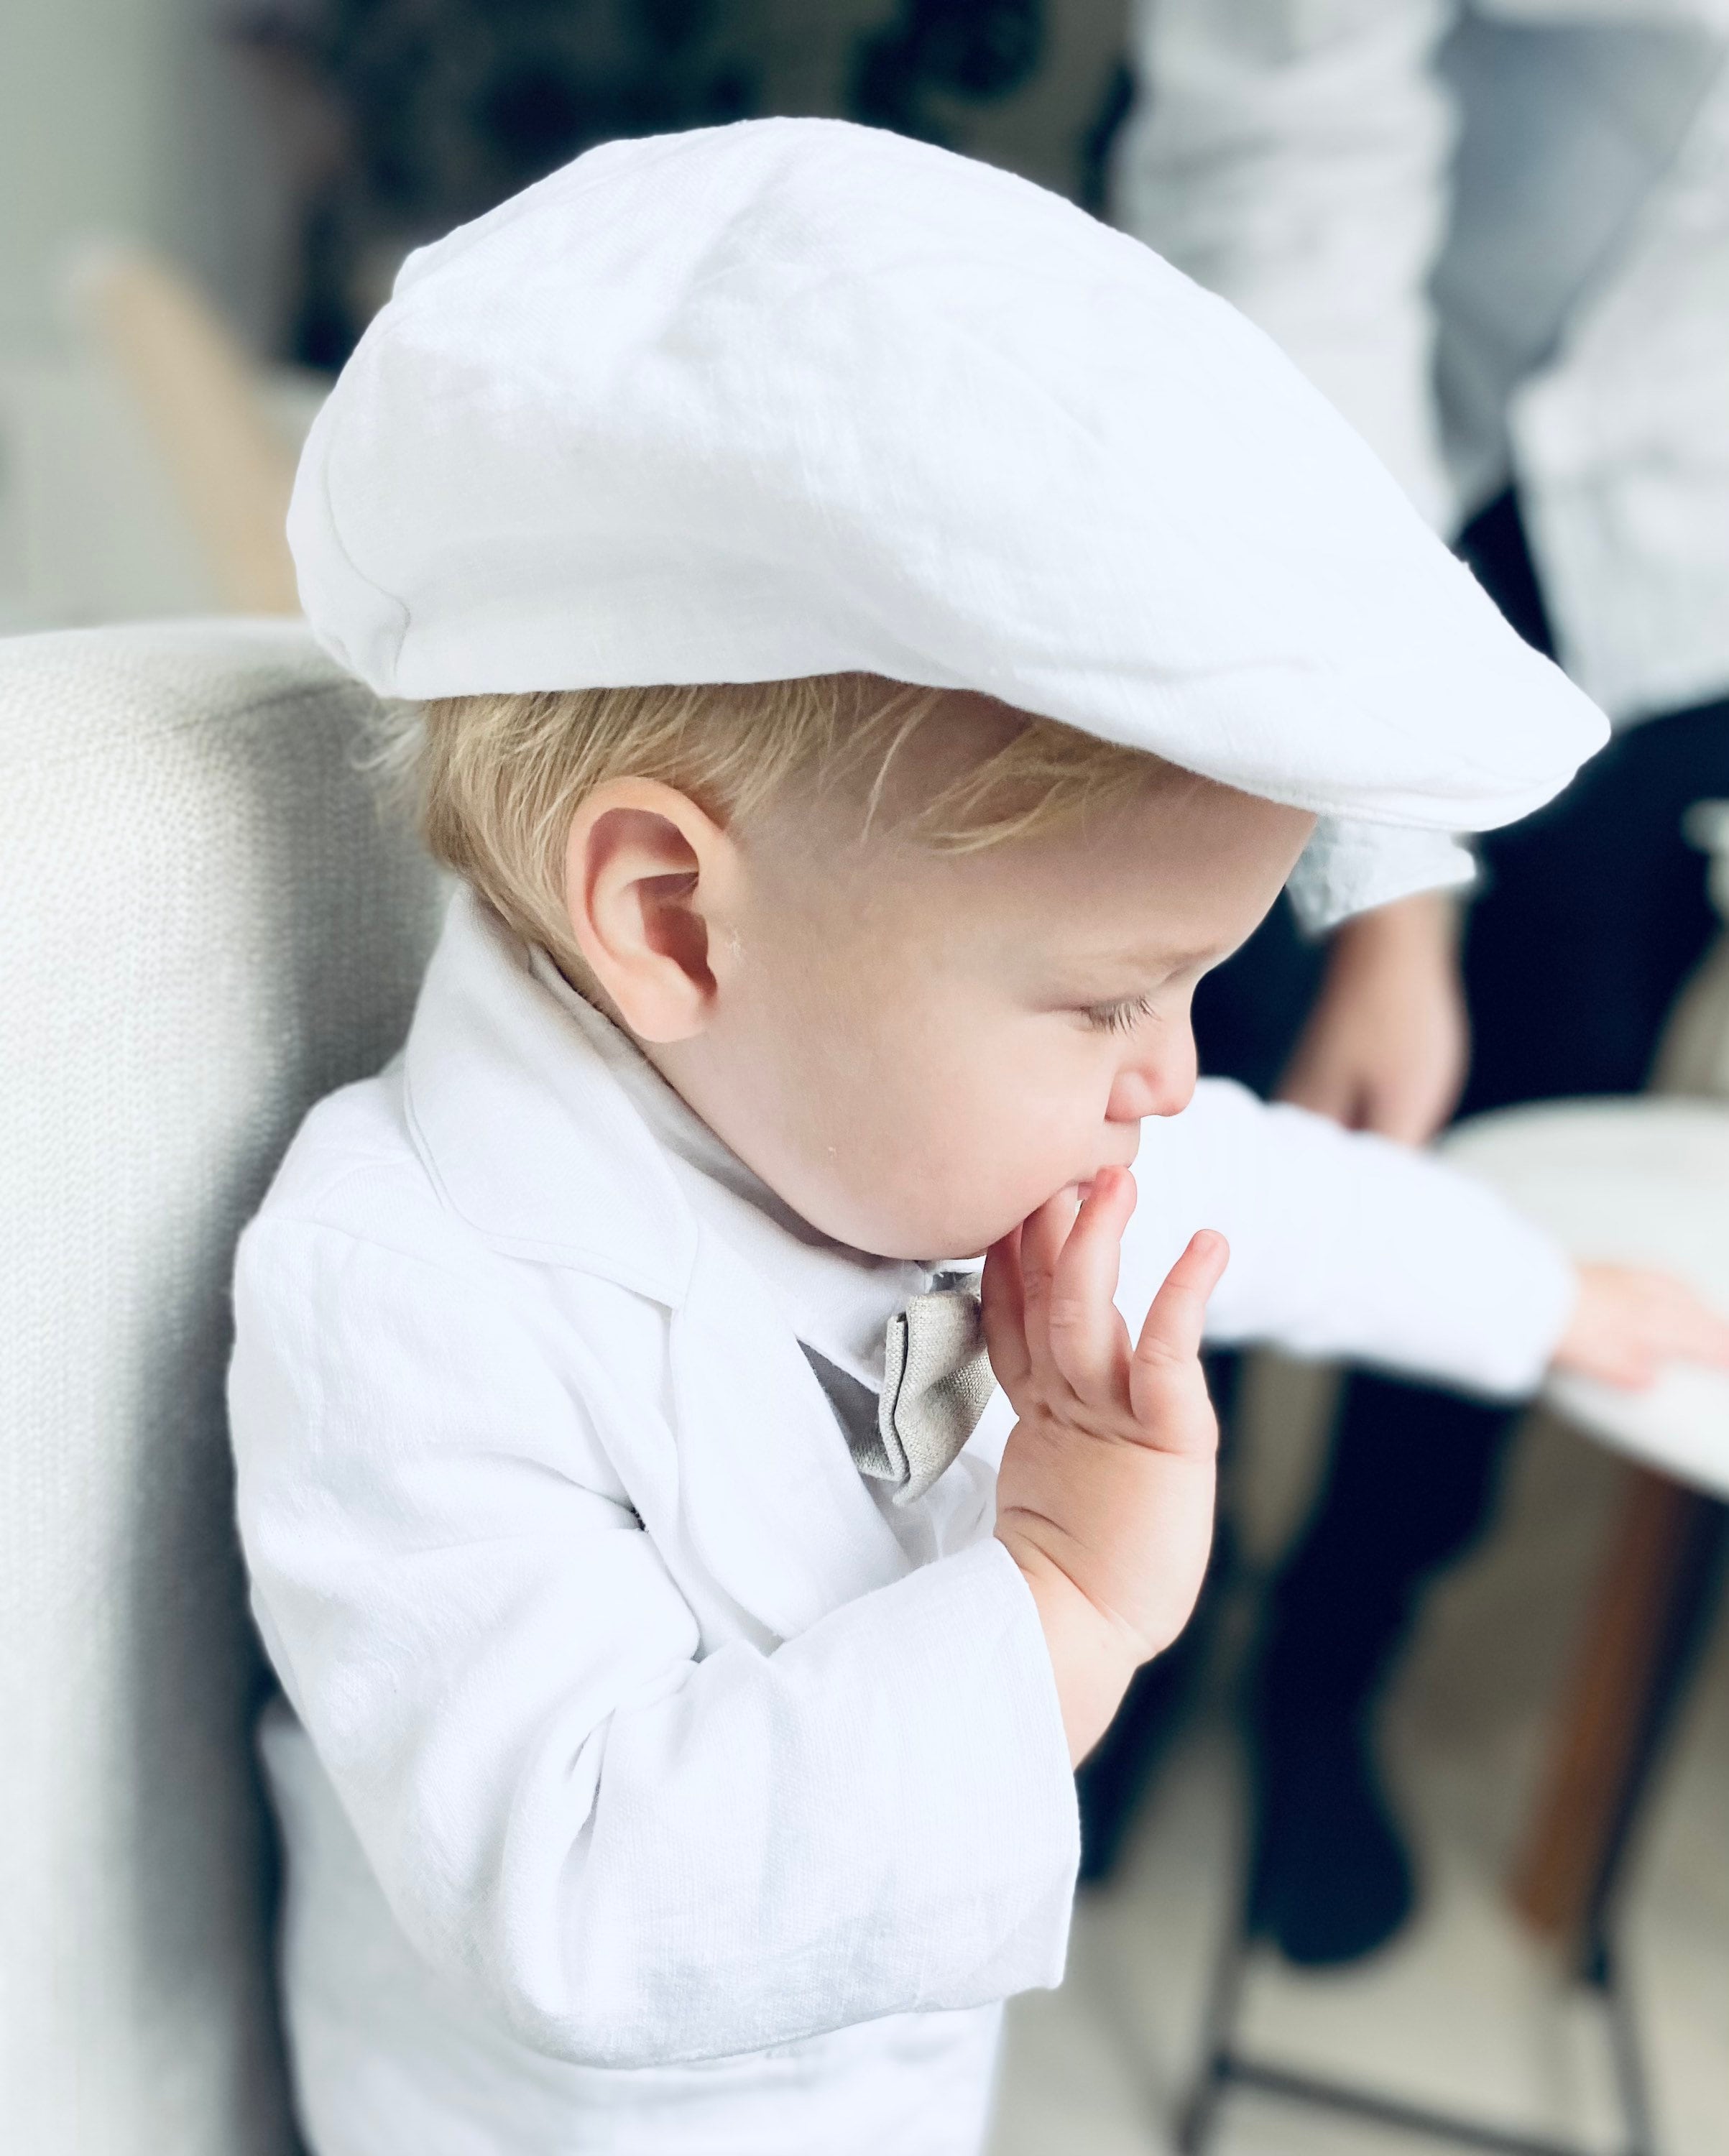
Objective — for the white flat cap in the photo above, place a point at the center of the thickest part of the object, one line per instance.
(794, 396)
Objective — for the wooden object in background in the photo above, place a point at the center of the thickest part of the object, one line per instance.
(195, 388)
(1601, 1728)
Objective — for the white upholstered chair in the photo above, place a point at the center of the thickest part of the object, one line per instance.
(204, 924)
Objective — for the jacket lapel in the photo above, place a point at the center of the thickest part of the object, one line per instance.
(525, 1132)
(773, 1503)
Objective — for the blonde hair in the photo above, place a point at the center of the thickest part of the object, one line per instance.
(494, 780)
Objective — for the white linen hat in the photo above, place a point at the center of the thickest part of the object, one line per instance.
(794, 396)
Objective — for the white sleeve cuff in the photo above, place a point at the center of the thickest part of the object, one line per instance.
(1349, 868)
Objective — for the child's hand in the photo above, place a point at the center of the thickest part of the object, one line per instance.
(1627, 1323)
(1104, 1499)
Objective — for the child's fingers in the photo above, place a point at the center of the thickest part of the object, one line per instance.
(1672, 1326)
(1629, 1322)
(1001, 1308)
(1171, 1337)
(1684, 1329)
(1089, 1344)
(1043, 1234)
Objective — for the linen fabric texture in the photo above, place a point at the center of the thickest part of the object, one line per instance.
(204, 927)
(793, 397)
(936, 1383)
(652, 1783)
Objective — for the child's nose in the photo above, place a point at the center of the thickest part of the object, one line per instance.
(1160, 1081)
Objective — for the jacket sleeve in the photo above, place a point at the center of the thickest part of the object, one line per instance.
(633, 1853)
(1292, 156)
(1347, 1245)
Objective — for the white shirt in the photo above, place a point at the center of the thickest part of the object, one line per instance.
(1497, 235)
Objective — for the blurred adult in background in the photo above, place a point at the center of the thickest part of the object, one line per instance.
(1497, 236)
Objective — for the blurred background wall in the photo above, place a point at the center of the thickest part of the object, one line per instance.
(247, 175)
(137, 118)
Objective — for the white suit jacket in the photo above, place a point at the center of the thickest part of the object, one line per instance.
(1522, 203)
(642, 1790)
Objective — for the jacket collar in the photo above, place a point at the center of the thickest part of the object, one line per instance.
(525, 1130)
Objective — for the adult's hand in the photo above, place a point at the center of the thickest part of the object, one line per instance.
(1388, 1043)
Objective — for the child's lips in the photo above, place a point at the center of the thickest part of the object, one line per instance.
(1083, 1189)
(1083, 1185)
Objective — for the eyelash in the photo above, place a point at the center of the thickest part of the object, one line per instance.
(1119, 1017)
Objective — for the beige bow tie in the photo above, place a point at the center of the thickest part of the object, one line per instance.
(936, 1383)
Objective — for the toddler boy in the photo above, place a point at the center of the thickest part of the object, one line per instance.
(872, 640)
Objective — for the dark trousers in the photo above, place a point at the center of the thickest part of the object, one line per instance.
(1588, 919)
(1590, 916)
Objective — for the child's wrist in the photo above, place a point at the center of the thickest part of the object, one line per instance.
(1091, 1657)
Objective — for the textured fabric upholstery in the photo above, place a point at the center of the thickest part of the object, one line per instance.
(204, 924)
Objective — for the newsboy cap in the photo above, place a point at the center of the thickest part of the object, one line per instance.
(794, 396)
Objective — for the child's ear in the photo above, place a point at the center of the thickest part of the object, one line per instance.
(650, 880)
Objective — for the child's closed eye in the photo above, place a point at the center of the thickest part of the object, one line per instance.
(1122, 1016)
